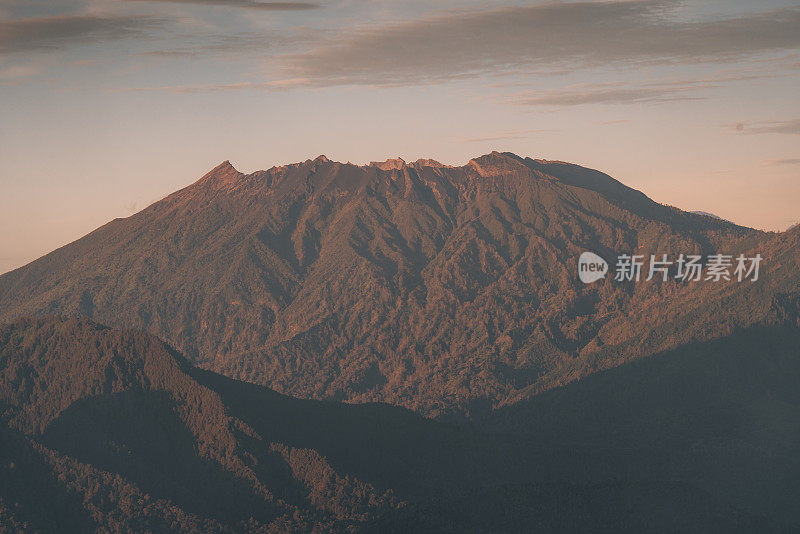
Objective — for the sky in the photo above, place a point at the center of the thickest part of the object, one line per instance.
(107, 106)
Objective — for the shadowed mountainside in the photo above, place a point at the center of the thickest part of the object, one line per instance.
(448, 290)
(118, 421)
(113, 430)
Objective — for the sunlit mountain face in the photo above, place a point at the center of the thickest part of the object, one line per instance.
(447, 290)
(569, 301)
(213, 362)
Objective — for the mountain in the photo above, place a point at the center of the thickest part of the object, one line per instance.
(114, 426)
(108, 430)
(447, 290)
(707, 214)
(183, 369)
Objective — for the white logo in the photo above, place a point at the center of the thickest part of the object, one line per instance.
(591, 267)
(691, 268)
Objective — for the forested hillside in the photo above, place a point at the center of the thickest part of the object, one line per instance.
(447, 290)
(114, 431)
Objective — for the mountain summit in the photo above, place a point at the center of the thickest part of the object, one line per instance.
(448, 290)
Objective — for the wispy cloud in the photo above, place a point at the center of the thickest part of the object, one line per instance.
(607, 93)
(504, 136)
(210, 45)
(791, 127)
(16, 72)
(204, 45)
(511, 39)
(550, 36)
(782, 162)
(247, 4)
(219, 87)
(44, 33)
(615, 121)
(629, 92)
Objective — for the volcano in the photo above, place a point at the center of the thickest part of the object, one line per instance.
(447, 290)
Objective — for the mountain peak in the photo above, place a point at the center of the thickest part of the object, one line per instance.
(427, 162)
(389, 164)
(241, 271)
(223, 168)
(222, 177)
(496, 163)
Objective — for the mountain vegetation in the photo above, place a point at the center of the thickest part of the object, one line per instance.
(447, 290)
(400, 347)
(114, 431)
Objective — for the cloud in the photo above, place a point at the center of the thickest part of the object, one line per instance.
(615, 121)
(18, 72)
(607, 93)
(504, 136)
(247, 4)
(552, 36)
(44, 33)
(629, 92)
(791, 127)
(219, 87)
(203, 45)
(782, 162)
(214, 45)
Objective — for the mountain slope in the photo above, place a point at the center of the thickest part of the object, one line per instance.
(116, 415)
(109, 430)
(447, 290)
(722, 414)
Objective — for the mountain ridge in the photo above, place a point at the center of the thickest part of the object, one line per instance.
(103, 429)
(442, 289)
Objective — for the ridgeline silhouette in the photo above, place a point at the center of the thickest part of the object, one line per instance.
(183, 369)
(448, 290)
